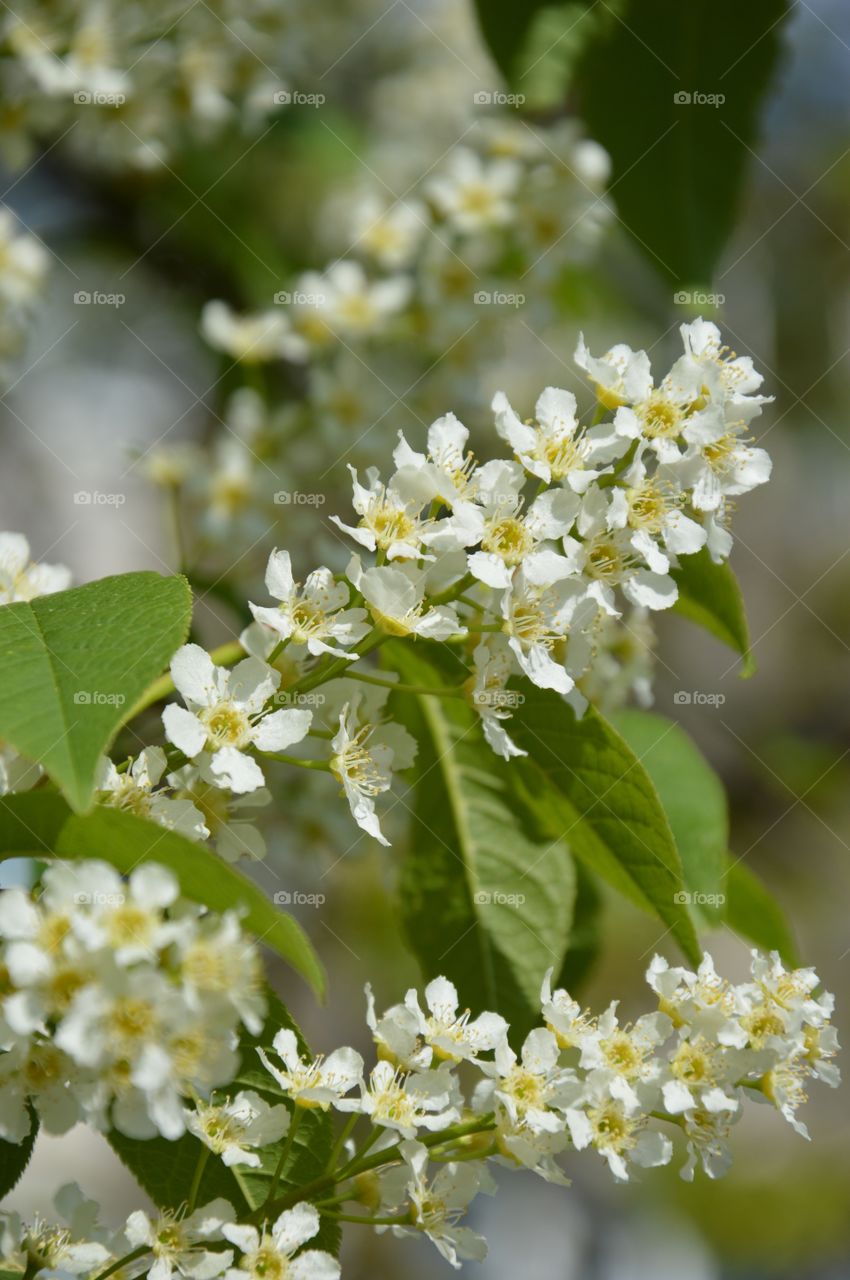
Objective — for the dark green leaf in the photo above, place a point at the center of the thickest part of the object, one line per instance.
(710, 596)
(74, 661)
(30, 822)
(582, 783)
(483, 903)
(14, 1158)
(125, 840)
(678, 164)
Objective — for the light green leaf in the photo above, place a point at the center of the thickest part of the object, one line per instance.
(483, 903)
(582, 783)
(752, 911)
(74, 661)
(125, 840)
(692, 796)
(710, 596)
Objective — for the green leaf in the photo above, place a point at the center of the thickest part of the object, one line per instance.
(520, 36)
(582, 783)
(692, 796)
(586, 936)
(752, 911)
(166, 1169)
(30, 822)
(125, 840)
(483, 904)
(73, 661)
(678, 166)
(710, 596)
(14, 1158)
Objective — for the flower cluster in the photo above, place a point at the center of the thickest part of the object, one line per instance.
(451, 1087)
(23, 267)
(127, 85)
(120, 1000)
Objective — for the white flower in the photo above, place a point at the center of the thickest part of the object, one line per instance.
(494, 666)
(224, 715)
(706, 1133)
(271, 1253)
(396, 599)
(23, 262)
(16, 772)
(607, 556)
(314, 615)
(703, 1001)
(232, 1128)
(618, 1129)
(623, 1057)
(473, 194)
(531, 1090)
(363, 759)
(41, 1076)
(388, 233)
(21, 578)
(702, 1074)
(554, 448)
(228, 818)
(388, 521)
(137, 790)
(537, 621)
(393, 1099)
(343, 300)
(221, 974)
(447, 471)
(564, 1017)
(397, 1034)
(719, 463)
(251, 339)
(177, 1243)
(650, 507)
(621, 376)
(438, 1204)
(321, 1082)
(453, 1035)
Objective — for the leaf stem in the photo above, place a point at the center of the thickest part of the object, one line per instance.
(398, 687)
(196, 1180)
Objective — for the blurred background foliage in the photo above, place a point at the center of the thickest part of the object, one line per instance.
(750, 201)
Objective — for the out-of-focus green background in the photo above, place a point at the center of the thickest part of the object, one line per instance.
(96, 384)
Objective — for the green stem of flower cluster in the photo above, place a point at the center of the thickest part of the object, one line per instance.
(284, 1155)
(119, 1263)
(196, 1180)
(390, 1155)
